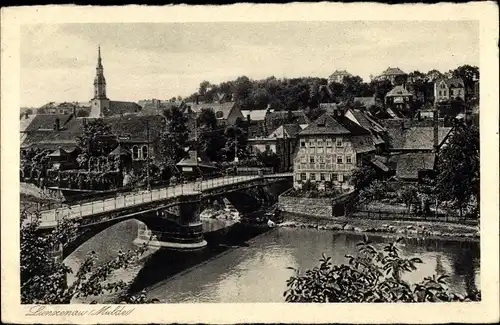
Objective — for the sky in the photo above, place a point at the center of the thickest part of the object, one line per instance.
(147, 60)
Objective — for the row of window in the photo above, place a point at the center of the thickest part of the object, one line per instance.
(313, 143)
(332, 177)
(328, 159)
(140, 153)
(458, 92)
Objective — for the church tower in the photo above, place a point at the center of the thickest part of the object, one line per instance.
(99, 103)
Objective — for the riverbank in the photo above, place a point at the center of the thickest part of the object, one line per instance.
(388, 228)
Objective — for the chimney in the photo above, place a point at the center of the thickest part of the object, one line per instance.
(84, 121)
(435, 131)
(197, 99)
(57, 124)
(248, 117)
(402, 126)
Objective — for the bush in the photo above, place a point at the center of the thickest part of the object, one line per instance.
(371, 276)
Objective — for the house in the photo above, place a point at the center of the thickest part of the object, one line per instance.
(61, 159)
(395, 75)
(226, 113)
(338, 76)
(365, 120)
(156, 106)
(329, 150)
(447, 89)
(62, 108)
(398, 98)
(277, 118)
(411, 167)
(194, 166)
(256, 121)
(282, 141)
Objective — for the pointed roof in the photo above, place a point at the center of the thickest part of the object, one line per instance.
(398, 91)
(330, 124)
(58, 153)
(194, 160)
(452, 82)
(393, 72)
(99, 63)
(120, 151)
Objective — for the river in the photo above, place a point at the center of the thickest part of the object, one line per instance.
(252, 267)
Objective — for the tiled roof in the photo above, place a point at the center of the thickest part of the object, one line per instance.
(398, 91)
(120, 151)
(409, 164)
(118, 108)
(393, 71)
(362, 144)
(225, 108)
(255, 115)
(291, 131)
(340, 73)
(370, 124)
(277, 118)
(452, 82)
(416, 138)
(330, 124)
(47, 122)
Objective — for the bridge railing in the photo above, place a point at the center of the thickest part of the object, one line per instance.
(140, 197)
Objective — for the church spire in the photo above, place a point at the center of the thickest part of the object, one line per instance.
(99, 81)
(99, 63)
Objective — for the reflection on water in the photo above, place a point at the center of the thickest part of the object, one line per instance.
(238, 268)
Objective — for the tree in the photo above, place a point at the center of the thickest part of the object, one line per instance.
(97, 138)
(174, 137)
(370, 276)
(44, 279)
(203, 87)
(82, 113)
(469, 74)
(363, 176)
(380, 88)
(269, 158)
(408, 195)
(377, 190)
(458, 168)
(236, 137)
(209, 141)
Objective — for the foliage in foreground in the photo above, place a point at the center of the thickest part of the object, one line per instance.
(371, 276)
(44, 279)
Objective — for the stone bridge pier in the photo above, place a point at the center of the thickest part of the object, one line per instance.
(176, 227)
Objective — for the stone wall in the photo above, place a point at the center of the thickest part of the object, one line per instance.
(315, 207)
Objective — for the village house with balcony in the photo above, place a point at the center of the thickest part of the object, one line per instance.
(395, 75)
(329, 150)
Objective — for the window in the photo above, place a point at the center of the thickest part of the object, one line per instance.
(328, 143)
(145, 152)
(440, 93)
(329, 150)
(268, 147)
(302, 143)
(320, 142)
(303, 159)
(444, 93)
(322, 159)
(339, 142)
(135, 152)
(312, 176)
(319, 150)
(334, 177)
(303, 176)
(339, 160)
(312, 143)
(348, 160)
(322, 177)
(311, 159)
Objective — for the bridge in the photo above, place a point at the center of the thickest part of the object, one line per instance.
(171, 213)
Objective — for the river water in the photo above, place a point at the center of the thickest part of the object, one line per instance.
(251, 265)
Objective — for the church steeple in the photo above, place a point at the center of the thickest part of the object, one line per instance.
(99, 81)
(99, 103)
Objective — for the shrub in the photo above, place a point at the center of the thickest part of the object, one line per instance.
(371, 276)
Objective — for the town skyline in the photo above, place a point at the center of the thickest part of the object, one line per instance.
(165, 60)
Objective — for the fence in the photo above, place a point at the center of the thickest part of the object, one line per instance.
(411, 216)
(122, 200)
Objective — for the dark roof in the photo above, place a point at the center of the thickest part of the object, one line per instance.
(58, 153)
(277, 118)
(398, 91)
(416, 138)
(194, 160)
(47, 122)
(134, 128)
(452, 82)
(340, 73)
(330, 124)
(225, 108)
(291, 131)
(409, 164)
(118, 108)
(393, 71)
(370, 124)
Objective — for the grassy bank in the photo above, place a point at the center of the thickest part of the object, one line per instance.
(394, 228)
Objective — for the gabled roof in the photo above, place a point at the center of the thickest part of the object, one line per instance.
(194, 160)
(120, 151)
(58, 153)
(225, 108)
(416, 138)
(452, 82)
(409, 164)
(255, 115)
(398, 91)
(279, 117)
(290, 130)
(134, 128)
(334, 125)
(393, 72)
(340, 73)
